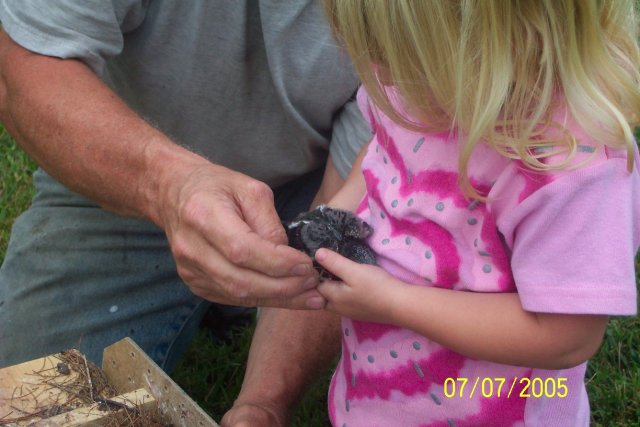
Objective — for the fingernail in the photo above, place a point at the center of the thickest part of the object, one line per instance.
(301, 270)
(310, 283)
(320, 254)
(315, 303)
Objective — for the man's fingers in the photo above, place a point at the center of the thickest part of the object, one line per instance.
(256, 203)
(244, 247)
(310, 300)
(219, 275)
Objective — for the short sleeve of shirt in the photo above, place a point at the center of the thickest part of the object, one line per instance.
(574, 237)
(88, 30)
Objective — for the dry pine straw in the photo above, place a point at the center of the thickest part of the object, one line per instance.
(90, 386)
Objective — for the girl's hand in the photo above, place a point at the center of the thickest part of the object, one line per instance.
(366, 292)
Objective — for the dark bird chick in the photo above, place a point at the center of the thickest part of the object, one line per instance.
(335, 229)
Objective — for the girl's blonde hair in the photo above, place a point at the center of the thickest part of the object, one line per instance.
(495, 69)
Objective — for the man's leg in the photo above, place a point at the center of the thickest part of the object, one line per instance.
(77, 276)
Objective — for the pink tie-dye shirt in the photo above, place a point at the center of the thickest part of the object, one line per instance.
(565, 241)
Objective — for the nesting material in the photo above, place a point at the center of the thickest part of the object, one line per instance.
(67, 390)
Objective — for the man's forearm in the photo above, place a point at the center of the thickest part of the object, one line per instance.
(290, 349)
(80, 132)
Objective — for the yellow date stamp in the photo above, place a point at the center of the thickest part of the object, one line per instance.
(517, 387)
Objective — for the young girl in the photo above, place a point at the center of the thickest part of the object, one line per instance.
(503, 189)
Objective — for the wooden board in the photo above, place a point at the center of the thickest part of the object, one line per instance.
(26, 387)
(128, 368)
(94, 416)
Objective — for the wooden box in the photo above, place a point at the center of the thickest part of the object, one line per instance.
(65, 390)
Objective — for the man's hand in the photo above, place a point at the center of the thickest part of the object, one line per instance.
(229, 243)
(249, 415)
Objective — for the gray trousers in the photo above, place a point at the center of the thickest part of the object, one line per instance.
(77, 276)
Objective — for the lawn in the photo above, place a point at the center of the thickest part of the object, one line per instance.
(212, 373)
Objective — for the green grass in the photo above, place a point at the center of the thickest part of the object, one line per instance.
(212, 374)
(16, 189)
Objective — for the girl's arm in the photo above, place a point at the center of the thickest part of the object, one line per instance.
(486, 326)
(350, 194)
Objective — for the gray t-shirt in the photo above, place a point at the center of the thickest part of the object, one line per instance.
(256, 85)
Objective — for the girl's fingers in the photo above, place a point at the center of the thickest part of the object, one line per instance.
(334, 263)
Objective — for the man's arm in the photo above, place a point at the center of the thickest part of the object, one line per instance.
(291, 348)
(223, 229)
